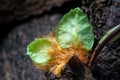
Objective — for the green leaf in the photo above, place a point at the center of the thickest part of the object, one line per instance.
(38, 50)
(74, 29)
(114, 31)
(117, 36)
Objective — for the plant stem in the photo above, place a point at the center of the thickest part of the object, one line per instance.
(111, 34)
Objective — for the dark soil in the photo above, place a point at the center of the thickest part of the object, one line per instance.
(16, 65)
(107, 65)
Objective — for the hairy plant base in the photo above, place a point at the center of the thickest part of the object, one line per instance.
(61, 56)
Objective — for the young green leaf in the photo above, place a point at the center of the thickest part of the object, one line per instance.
(38, 50)
(115, 32)
(112, 35)
(74, 29)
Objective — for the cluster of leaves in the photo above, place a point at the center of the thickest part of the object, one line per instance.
(73, 31)
(74, 36)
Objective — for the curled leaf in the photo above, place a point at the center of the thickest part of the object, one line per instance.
(38, 50)
(112, 35)
(74, 29)
(115, 32)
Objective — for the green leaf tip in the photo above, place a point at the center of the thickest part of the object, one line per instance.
(38, 50)
(74, 29)
(114, 31)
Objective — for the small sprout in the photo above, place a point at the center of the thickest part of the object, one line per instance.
(74, 36)
(73, 41)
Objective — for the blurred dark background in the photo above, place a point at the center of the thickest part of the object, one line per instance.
(15, 12)
(21, 21)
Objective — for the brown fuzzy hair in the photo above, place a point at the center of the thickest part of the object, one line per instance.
(60, 56)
